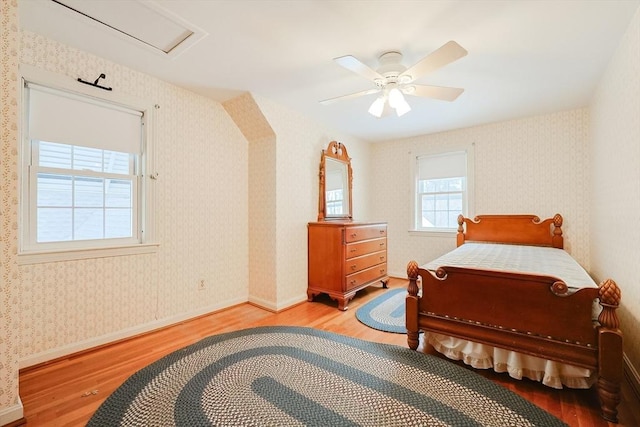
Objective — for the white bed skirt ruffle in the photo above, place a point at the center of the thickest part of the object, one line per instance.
(518, 365)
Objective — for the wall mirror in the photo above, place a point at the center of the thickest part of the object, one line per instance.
(335, 183)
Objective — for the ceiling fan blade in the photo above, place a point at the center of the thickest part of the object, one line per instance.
(436, 92)
(442, 56)
(352, 95)
(352, 64)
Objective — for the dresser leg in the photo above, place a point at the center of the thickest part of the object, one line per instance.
(310, 295)
(384, 284)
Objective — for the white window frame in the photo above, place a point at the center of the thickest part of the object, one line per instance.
(143, 221)
(468, 194)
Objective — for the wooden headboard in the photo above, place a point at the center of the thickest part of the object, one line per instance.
(514, 229)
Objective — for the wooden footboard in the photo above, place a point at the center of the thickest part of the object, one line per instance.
(530, 314)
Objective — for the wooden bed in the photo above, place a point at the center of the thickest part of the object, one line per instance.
(531, 314)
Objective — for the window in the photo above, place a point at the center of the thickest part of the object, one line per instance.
(82, 193)
(441, 183)
(82, 179)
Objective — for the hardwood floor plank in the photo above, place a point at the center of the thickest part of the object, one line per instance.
(61, 393)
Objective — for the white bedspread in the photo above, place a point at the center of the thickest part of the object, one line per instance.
(522, 259)
(517, 258)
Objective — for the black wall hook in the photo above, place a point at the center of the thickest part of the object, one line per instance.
(95, 84)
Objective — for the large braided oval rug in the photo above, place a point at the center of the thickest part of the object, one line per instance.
(288, 376)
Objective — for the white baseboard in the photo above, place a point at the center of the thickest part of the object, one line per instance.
(11, 413)
(270, 306)
(397, 275)
(292, 301)
(48, 355)
(263, 303)
(632, 376)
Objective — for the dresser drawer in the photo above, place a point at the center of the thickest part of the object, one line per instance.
(354, 265)
(365, 276)
(355, 234)
(365, 248)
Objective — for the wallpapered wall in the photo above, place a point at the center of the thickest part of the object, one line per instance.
(535, 165)
(201, 221)
(10, 408)
(615, 177)
(298, 145)
(284, 152)
(201, 211)
(262, 203)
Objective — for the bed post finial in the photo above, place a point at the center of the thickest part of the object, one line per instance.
(412, 274)
(460, 235)
(609, 294)
(557, 241)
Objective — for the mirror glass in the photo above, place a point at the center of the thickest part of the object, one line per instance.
(336, 188)
(335, 183)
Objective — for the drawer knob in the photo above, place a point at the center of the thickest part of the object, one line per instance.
(353, 267)
(353, 282)
(382, 258)
(381, 243)
(381, 231)
(382, 270)
(353, 250)
(354, 234)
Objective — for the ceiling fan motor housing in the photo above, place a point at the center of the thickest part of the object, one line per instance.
(391, 68)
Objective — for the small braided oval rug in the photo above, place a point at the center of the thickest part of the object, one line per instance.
(385, 312)
(294, 376)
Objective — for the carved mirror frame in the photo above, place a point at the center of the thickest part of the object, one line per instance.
(338, 152)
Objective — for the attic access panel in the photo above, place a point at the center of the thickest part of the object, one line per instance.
(141, 21)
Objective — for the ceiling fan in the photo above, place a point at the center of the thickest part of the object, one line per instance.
(393, 80)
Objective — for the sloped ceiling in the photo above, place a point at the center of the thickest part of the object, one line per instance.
(526, 57)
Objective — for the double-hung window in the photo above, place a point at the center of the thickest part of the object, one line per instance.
(83, 163)
(442, 183)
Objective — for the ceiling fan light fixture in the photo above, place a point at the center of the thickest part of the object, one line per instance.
(377, 107)
(395, 97)
(397, 102)
(403, 108)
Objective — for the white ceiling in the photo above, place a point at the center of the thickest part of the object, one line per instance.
(526, 57)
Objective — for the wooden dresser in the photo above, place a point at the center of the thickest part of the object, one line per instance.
(345, 257)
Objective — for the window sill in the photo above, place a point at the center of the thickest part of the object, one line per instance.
(434, 233)
(88, 253)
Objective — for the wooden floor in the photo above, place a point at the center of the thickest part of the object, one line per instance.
(67, 392)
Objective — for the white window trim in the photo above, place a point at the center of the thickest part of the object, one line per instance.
(148, 243)
(413, 169)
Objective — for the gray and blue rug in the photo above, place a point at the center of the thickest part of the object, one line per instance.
(293, 376)
(385, 312)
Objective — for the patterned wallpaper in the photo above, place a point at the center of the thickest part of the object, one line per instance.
(262, 204)
(284, 156)
(533, 165)
(201, 216)
(615, 177)
(10, 408)
(298, 146)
